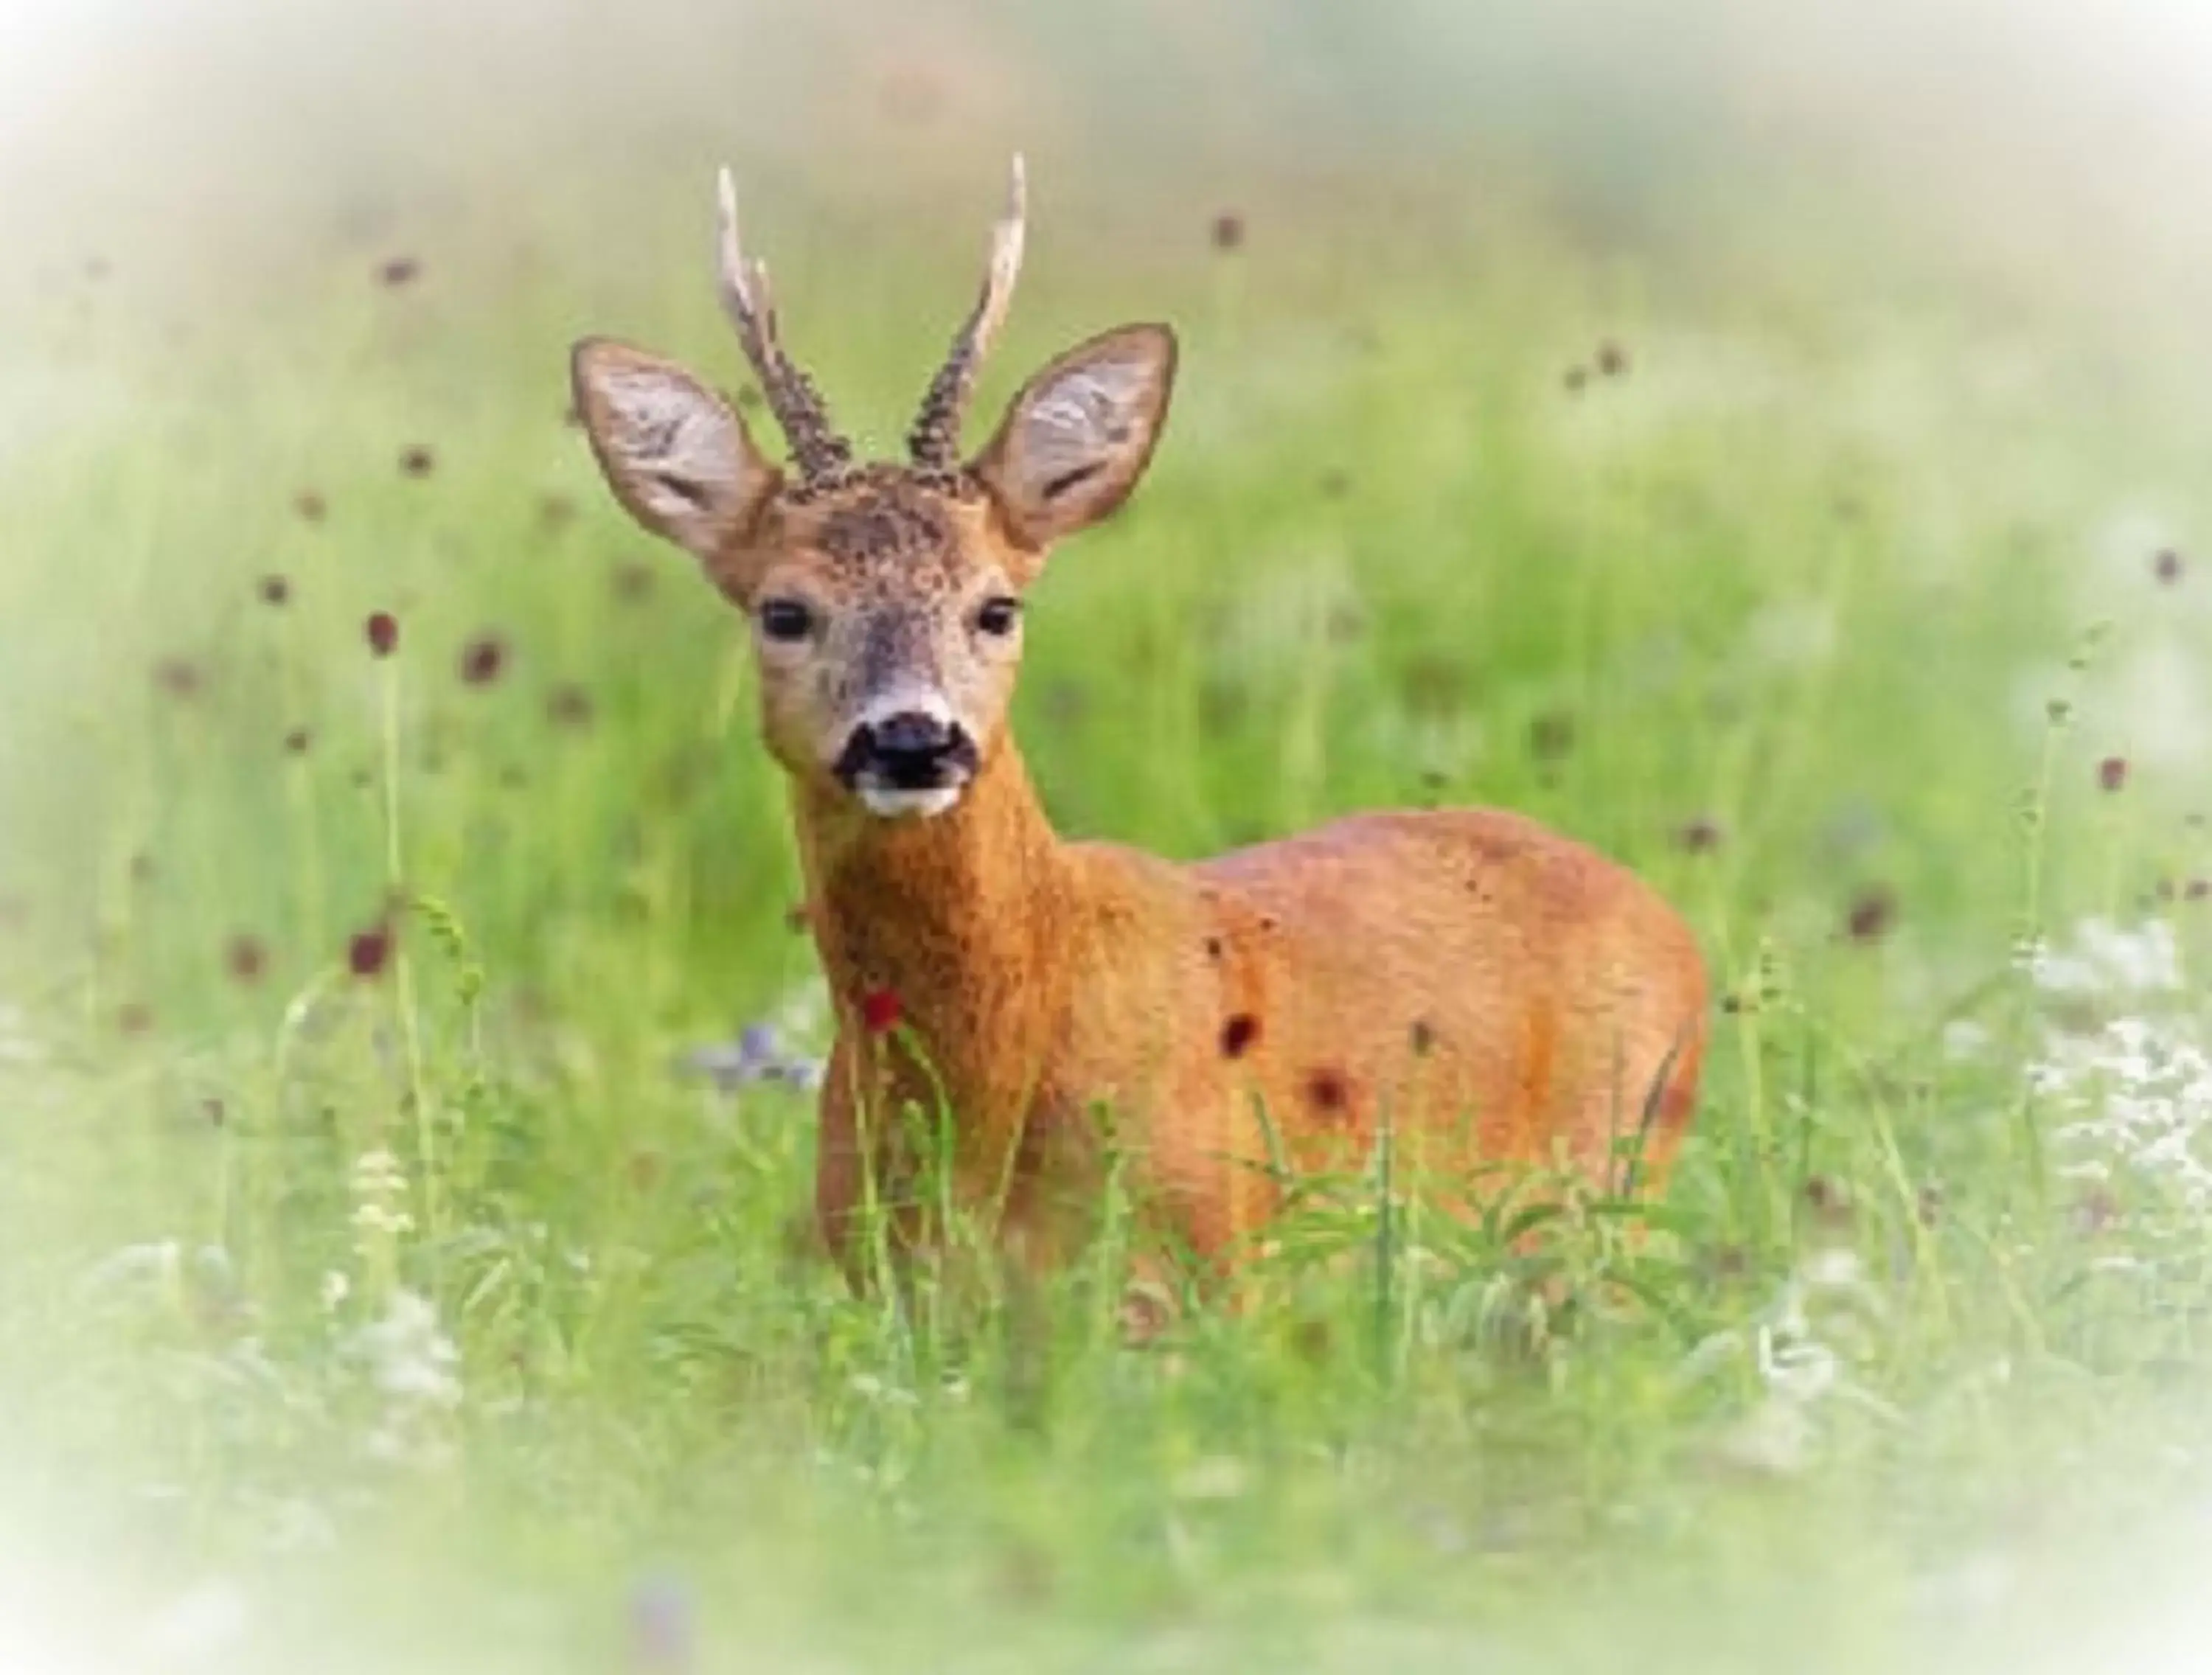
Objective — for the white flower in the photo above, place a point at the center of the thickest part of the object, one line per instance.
(409, 1355)
(377, 1175)
(377, 1218)
(2138, 1093)
(2106, 960)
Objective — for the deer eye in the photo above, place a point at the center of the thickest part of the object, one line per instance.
(786, 620)
(998, 614)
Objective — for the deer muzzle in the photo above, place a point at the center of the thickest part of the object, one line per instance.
(910, 762)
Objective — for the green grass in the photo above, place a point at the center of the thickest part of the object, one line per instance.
(1808, 581)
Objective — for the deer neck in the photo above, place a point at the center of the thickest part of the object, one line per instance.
(946, 924)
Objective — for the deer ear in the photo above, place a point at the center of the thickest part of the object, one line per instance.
(676, 454)
(1079, 434)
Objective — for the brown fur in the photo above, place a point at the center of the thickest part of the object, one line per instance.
(1494, 992)
(1488, 991)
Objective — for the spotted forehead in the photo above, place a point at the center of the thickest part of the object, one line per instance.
(888, 525)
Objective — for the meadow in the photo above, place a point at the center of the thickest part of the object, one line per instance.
(404, 1104)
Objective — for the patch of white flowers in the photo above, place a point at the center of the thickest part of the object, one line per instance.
(2133, 1093)
(415, 1369)
(380, 1194)
(2104, 960)
(372, 1386)
(2145, 1092)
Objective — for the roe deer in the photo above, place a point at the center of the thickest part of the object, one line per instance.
(1491, 992)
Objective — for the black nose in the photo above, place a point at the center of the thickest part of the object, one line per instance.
(908, 751)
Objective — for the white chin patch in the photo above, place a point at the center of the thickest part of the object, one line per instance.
(891, 804)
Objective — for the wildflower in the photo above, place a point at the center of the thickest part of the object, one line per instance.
(1829, 1200)
(2139, 1091)
(2112, 774)
(1872, 912)
(880, 1012)
(246, 958)
(757, 1055)
(1700, 835)
(409, 1355)
(368, 951)
(482, 658)
(2107, 960)
(382, 629)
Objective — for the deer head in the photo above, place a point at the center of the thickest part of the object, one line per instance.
(885, 600)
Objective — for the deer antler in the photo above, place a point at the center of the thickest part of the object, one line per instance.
(822, 454)
(934, 442)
